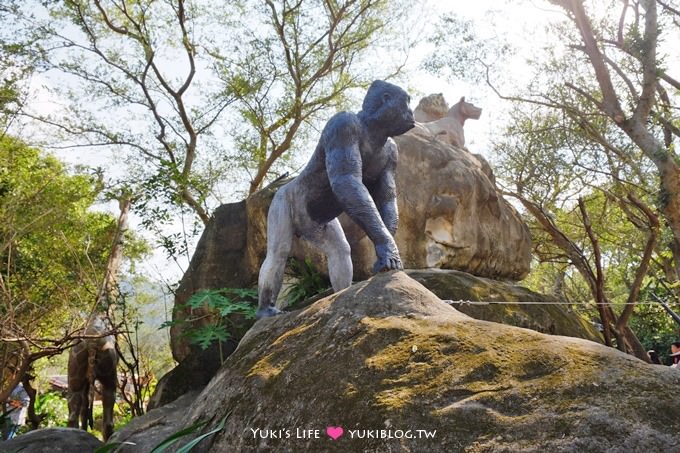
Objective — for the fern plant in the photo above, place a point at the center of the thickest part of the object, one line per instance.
(224, 303)
(309, 281)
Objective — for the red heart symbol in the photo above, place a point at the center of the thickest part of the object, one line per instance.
(335, 431)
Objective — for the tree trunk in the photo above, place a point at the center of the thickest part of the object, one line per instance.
(21, 367)
(33, 418)
(669, 175)
(626, 340)
(108, 289)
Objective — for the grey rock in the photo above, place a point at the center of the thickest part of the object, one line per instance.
(389, 354)
(52, 440)
(144, 433)
(505, 303)
(191, 374)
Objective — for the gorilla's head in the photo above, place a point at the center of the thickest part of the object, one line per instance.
(386, 106)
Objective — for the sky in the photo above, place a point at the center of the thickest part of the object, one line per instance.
(496, 20)
(510, 22)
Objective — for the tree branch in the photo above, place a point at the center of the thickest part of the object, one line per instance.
(610, 101)
(648, 61)
(641, 272)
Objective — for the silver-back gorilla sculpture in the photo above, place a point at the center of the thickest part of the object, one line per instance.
(352, 170)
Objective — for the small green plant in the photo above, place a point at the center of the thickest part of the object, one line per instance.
(309, 281)
(122, 414)
(185, 432)
(225, 302)
(54, 407)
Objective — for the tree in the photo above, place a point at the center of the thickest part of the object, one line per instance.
(202, 92)
(17, 63)
(640, 106)
(54, 253)
(593, 271)
(117, 63)
(299, 60)
(596, 119)
(582, 215)
(605, 82)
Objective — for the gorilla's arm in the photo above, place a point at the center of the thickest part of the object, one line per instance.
(385, 191)
(343, 165)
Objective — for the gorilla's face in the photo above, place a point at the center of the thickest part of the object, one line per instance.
(399, 117)
(402, 117)
(388, 106)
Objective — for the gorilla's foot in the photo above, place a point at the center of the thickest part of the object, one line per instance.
(267, 312)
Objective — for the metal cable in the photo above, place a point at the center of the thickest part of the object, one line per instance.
(475, 302)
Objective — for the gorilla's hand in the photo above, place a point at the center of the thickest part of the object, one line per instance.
(388, 258)
(267, 312)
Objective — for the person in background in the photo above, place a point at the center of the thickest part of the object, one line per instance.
(654, 357)
(17, 407)
(675, 355)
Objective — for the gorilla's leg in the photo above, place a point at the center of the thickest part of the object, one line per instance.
(331, 239)
(279, 243)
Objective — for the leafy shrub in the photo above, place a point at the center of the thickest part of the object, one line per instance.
(55, 408)
(225, 302)
(309, 281)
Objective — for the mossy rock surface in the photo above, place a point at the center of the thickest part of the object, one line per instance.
(389, 354)
(506, 303)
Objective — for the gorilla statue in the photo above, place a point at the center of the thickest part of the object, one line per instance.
(352, 170)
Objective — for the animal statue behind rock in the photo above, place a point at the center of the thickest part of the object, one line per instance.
(352, 170)
(431, 108)
(449, 129)
(89, 360)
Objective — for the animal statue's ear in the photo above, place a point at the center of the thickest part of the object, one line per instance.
(462, 99)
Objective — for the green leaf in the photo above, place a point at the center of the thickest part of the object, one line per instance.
(204, 336)
(206, 296)
(238, 307)
(193, 443)
(244, 293)
(167, 442)
(169, 324)
(225, 301)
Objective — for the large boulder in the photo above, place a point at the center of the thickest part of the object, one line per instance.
(385, 361)
(451, 215)
(52, 440)
(220, 260)
(505, 303)
(192, 373)
(481, 298)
